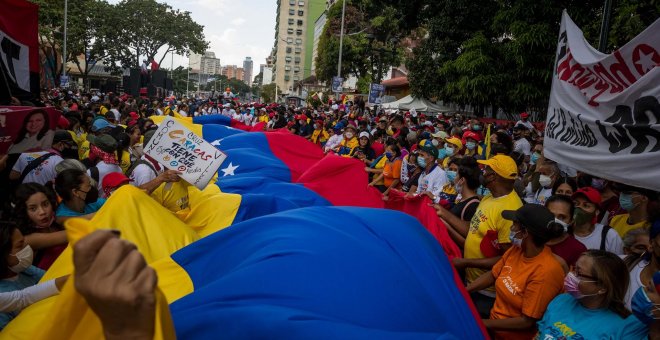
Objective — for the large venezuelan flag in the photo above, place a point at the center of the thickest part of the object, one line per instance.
(293, 264)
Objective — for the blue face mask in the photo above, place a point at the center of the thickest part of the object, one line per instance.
(442, 153)
(451, 175)
(517, 242)
(643, 307)
(626, 202)
(449, 151)
(535, 157)
(421, 162)
(476, 127)
(470, 145)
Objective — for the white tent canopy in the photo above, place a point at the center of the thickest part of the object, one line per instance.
(419, 104)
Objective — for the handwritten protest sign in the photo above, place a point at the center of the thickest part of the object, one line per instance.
(178, 148)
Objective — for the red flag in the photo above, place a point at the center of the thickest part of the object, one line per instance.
(19, 47)
(342, 181)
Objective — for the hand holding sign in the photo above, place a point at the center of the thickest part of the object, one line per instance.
(183, 152)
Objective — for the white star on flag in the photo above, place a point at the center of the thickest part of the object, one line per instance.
(646, 61)
(216, 142)
(229, 170)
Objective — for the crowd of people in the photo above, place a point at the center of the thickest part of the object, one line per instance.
(548, 251)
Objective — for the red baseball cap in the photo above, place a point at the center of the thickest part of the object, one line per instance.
(589, 193)
(134, 115)
(113, 180)
(524, 115)
(471, 134)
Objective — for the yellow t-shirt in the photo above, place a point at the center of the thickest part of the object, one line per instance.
(488, 217)
(323, 136)
(620, 224)
(173, 196)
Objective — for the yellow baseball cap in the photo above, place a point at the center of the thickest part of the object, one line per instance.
(455, 141)
(503, 165)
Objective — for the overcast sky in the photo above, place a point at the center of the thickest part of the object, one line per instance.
(235, 29)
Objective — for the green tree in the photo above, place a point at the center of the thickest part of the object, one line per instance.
(145, 26)
(268, 92)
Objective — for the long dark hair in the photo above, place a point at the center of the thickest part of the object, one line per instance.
(6, 232)
(23, 193)
(44, 130)
(68, 180)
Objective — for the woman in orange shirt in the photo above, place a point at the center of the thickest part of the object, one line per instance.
(527, 277)
(391, 175)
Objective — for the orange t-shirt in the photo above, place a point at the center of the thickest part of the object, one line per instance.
(525, 286)
(392, 171)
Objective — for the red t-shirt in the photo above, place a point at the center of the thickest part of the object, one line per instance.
(569, 249)
(379, 148)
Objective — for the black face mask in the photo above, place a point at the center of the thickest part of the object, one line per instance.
(92, 195)
(483, 181)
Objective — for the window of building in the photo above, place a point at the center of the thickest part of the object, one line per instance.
(299, 32)
(292, 2)
(301, 13)
(286, 77)
(297, 68)
(298, 50)
(291, 21)
(296, 78)
(289, 40)
(301, 3)
(289, 31)
(287, 68)
(292, 12)
(298, 41)
(287, 59)
(297, 60)
(288, 50)
(300, 22)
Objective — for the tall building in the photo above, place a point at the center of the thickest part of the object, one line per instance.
(291, 38)
(247, 69)
(315, 11)
(267, 76)
(261, 68)
(229, 71)
(240, 74)
(206, 64)
(318, 30)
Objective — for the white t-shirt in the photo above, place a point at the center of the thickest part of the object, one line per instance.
(432, 182)
(613, 242)
(116, 114)
(539, 197)
(333, 142)
(635, 281)
(144, 173)
(43, 173)
(104, 169)
(522, 146)
(183, 113)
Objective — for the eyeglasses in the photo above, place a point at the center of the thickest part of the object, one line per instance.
(583, 277)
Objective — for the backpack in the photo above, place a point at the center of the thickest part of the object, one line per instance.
(603, 236)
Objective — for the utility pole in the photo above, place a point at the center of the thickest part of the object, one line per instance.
(341, 40)
(64, 58)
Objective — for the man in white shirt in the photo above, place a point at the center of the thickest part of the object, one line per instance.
(45, 169)
(433, 178)
(593, 235)
(521, 144)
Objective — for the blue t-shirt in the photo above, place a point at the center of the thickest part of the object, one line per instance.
(63, 210)
(565, 318)
(27, 278)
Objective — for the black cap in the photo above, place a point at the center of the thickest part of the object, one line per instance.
(62, 136)
(534, 217)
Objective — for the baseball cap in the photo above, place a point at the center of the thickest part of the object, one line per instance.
(364, 134)
(440, 134)
(455, 141)
(473, 135)
(114, 179)
(591, 194)
(534, 217)
(503, 165)
(62, 136)
(103, 142)
(100, 124)
(428, 147)
(524, 115)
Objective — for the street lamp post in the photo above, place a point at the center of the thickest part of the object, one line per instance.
(341, 40)
(66, 10)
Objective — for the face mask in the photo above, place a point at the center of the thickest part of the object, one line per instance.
(643, 307)
(545, 181)
(563, 224)
(421, 162)
(389, 155)
(572, 284)
(92, 195)
(626, 202)
(451, 175)
(476, 127)
(517, 242)
(349, 135)
(458, 187)
(582, 217)
(449, 151)
(470, 145)
(442, 153)
(534, 158)
(316, 126)
(598, 184)
(24, 257)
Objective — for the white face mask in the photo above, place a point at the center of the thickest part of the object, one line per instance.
(24, 257)
(545, 181)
